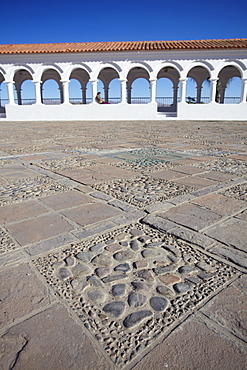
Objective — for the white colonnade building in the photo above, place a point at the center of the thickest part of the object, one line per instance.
(213, 61)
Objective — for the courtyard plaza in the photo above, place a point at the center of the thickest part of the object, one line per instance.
(123, 245)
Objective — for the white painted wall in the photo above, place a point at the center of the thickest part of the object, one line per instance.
(152, 61)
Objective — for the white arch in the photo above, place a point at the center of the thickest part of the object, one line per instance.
(68, 70)
(133, 65)
(44, 67)
(95, 73)
(199, 63)
(17, 67)
(165, 64)
(234, 63)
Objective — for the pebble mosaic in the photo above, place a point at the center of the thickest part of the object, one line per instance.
(142, 191)
(131, 285)
(30, 188)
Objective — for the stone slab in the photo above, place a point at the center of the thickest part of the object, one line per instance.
(48, 245)
(192, 216)
(54, 340)
(220, 204)
(21, 293)
(196, 182)
(217, 176)
(194, 345)
(233, 255)
(21, 211)
(92, 213)
(229, 308)
(167, 175)
(39, 228)
(231, 232)
(189, 170)
(65, 200)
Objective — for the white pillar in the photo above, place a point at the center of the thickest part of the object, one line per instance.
(182, 90)
(213, 85)
(37, 86)
(123, 91)
(65, 91)
(244, 91)
(10, 92)
(198, 93)
(152, 90)
(94, 90)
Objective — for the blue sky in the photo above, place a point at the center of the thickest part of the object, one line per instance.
(85, 21)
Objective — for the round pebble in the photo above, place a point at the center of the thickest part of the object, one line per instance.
(159, 303)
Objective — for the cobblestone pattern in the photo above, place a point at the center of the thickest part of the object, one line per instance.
(145, 165)
(142, 191)
(5, 162)
(28, 189)
(66, 163)
(129, 286)
(239, 192)
(225, 165)
(7, 244)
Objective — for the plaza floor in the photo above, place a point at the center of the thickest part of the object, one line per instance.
(123, 245)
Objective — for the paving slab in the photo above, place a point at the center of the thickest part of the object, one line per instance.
(192, 216)
(229, 308)
(92, 213)
(39, 228)
(65, 200)
(220, 204)
(52, 339)
(21, 294)
(196, 182)
(21, 211)
(190, 347)
(231, 232)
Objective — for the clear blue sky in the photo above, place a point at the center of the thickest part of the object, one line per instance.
(84, 21)
(50, 21)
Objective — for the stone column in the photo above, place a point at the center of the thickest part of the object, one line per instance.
(10, 92)
(37, 86)
(198, 93)
(18, 92)
(222, 94)
(175, 95)
(129, 88)
(94, 90)
(213, 85)
(152, 90)
(182, 90)
(244, 91)
(84, 95)
(65, 91)
(123, 91)
(106, 93)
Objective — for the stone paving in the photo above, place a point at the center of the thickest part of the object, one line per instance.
(123, 245)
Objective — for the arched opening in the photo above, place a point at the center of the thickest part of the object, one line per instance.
(105, 77)
(167, 89)
(114, 91)
(51, 88)
(27, 92)
(198, 86)
(24, 88)
(80, 87)
(4, 97)
(228, 90)
(138, 87)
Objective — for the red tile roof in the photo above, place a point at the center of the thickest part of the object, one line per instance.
(87, 47)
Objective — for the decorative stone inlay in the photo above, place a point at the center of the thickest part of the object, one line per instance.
(7, 244)
(126, 310)
(142, 191)
(239, 192)
(226, 165)
(17, 191)
(66, 163)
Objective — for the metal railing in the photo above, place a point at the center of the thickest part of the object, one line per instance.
(161, 101)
